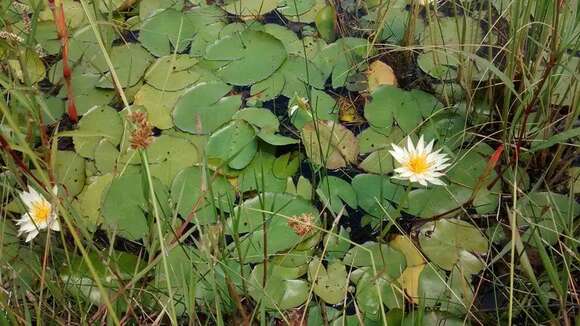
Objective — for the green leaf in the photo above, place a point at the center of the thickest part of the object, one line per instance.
(451, 242)
(205, 107)
(130, 62)
(388, 261)
(99, 123)
(234, 144)
(260, 176)
(247, 57)
(389, 104)
(187, 192)
(70, 172)
(330, 283)
(262, 119)
(376, 194)
(277, 293)
(333, 191)
(126, 205)
(166, 30)
(174, 73)
(91, 197)
(253, 8)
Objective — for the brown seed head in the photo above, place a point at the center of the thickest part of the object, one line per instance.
(142, 136)
(302, 224)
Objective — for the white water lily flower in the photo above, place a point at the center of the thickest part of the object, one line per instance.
(39, 216)
(419, 164)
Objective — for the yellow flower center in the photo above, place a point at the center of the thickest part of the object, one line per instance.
(41, 211)
(418, 164)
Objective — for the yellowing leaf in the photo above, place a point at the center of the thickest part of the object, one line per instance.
(330, 144)
(409, 281)
(406, 246)
(380, 73)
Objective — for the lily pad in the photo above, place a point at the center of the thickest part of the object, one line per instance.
(90, 200)
(386, 259)
(250, 9)
(548, 214)
(173, 73)
(247, 57)
(187, 192)
(99, 123)
(376, 194)
(70, 172)
(130, 62)
(389, 104)
(205, 107)
(125, 205)
(329, 283)
(234, 144)
(165, 30)
(278, 293)
(158, 104)
(451, 242)
(259, 175)
(329, 144)
(334, 191)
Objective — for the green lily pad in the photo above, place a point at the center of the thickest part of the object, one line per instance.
(387, 260)
(271, 211)
(187, 193)
(173, 73)
(84, 45)
(34, 67)
(373, 139)
(86, 93)
(70, 172)
(333, 192)
(259, 175)
(158, 104)
(278, 293)
(548, 214)
(448, 128)
(430, 202)
(262, 119)
(389, 104)
(449, 39)
(451, 242)
(78, 280)
(125, 205)
(168, 155)
(205, 107)
(337, 244)
(376, 194)
(234, 144)
(90, 200)
(329, 144)
(301, 11)
(130, 62)
(165, 30)
(329, 283)
(98, 123)
(343, 58)
(321, 106)
(106, 155)
(253, 8)
(373, 289)
(247, 57)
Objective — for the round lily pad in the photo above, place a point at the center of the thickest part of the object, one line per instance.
(130, 62)
(99, 123)
(329, 144)
(70, 172)
(234, 144)
(126, 204)
(187, 192)
(246, 57)
(329, 283)
(172, 73)
(205, 107)
(451, 242)
(166, 30)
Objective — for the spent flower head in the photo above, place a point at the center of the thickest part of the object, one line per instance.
(419, 164)
(40, 214)
(301, 224)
